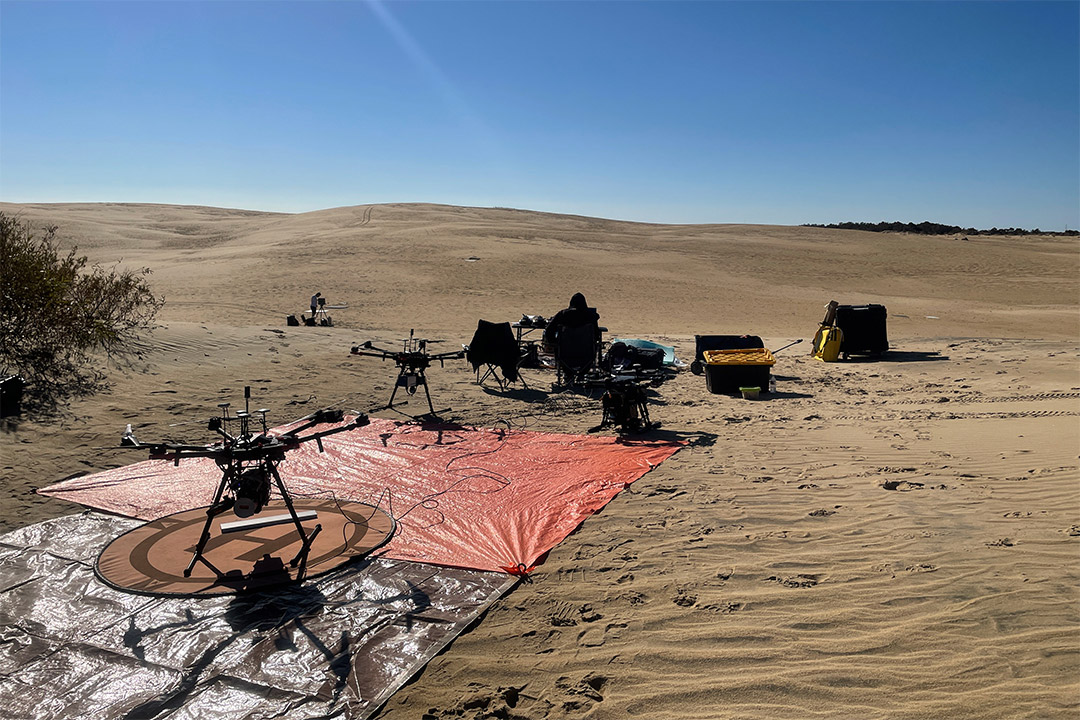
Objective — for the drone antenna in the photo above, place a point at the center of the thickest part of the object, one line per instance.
(221, 425)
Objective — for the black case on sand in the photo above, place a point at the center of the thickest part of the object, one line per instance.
(864, 329)
(727, 379)
(724, 342)
(720, 342)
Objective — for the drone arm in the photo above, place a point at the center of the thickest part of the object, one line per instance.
(318, 417)
(381, 354)
(452, 355)
(169, 451)
(293, 439)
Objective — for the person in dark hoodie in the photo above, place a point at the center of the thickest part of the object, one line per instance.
(576, 315)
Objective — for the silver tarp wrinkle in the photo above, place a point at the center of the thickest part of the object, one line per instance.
(336, 646)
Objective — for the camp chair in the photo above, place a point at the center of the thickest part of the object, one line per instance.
(575, 353)
(494, 347)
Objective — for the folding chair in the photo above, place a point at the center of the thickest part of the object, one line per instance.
(575, 353)
(494, 347)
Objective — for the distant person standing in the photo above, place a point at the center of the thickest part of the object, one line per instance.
(315, 304)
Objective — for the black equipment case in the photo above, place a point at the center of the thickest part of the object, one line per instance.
(864, 329)
(11, 392)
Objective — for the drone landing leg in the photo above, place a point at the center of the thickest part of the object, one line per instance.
(423, 381)
(305, 539)
(397, 384)
(216, 508)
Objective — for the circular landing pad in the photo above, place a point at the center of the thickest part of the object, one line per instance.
(151, 558)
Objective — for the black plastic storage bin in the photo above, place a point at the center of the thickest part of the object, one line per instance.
(724, 342)
(11, 391)
(727, 379)
(864, 329)
(720, 342)
(728, 370)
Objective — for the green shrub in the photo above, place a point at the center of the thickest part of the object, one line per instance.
(57, 314)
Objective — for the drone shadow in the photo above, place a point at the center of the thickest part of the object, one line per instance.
(246, 612)
(523, 394)
(692, 439)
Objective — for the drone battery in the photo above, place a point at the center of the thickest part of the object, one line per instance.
(254, 523)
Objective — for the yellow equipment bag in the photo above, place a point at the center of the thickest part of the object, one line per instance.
(827, 343)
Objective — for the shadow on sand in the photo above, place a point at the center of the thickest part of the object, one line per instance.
(899, 356)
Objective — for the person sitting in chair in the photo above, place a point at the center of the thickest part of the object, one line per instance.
(574, 338)
(576, 315)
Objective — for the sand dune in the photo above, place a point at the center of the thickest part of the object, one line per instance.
(893, 539)
(441, 267)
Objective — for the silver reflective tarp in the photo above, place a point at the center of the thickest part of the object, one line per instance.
(337, 646)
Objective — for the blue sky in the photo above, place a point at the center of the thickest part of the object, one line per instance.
(757, 112)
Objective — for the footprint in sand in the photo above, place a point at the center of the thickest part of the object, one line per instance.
(562, 615)
(921, 568)
(901, 485)
(794, 581)
(582, 693)
(685, 598)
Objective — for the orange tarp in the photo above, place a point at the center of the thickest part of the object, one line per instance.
(464, 497)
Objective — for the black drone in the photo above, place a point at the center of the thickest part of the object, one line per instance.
(625, 402)
(412, 360)
(248, 460)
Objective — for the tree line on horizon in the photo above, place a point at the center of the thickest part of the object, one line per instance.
(931, 228)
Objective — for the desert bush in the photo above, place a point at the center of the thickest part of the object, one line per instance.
(58, 315)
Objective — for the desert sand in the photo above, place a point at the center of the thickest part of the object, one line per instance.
(880, 539)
